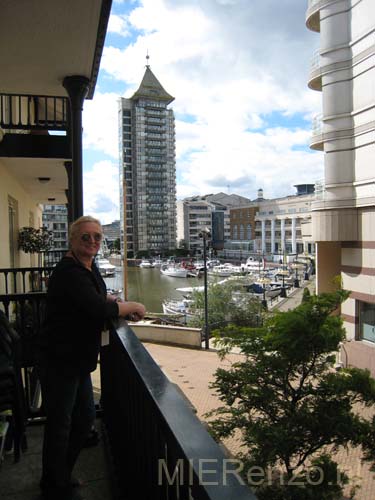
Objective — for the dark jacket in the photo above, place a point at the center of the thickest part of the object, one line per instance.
(76, 313)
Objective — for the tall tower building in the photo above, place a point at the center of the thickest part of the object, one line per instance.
(148, 168)
(343, 216)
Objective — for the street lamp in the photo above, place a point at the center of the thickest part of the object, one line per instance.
(296, 266)
(283, 272)
(205, 234)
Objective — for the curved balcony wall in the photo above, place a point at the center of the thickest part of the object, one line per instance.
(313, 13)
(315, 76)
(317, 141)
(313, 16)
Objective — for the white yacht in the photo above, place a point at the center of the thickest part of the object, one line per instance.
(178, 307)
(158, 262)
(105, 267)
(252, 265)
(174, 271)
(145, 263)
(224, 270)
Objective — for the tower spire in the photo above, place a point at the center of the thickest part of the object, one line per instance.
(147, 59)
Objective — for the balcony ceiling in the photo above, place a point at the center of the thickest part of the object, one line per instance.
(42, 41)
(27, 170)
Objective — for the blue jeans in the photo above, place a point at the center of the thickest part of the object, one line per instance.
(69, 404)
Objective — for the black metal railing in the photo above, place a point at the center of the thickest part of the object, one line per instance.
(24, 279)
(160, 449)
(27, 112)
(25, 312)
(52, 257)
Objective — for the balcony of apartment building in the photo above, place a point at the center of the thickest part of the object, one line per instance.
(313, 13)
(315, 76)
(317, 137)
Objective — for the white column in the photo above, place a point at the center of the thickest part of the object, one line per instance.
(272, 235)
(263, 235)
(282, 228)
(294, 244)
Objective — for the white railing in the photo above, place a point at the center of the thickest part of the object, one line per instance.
(317, 124)
(323, 3)
(315, 60)
(320, 188)
(312, 3)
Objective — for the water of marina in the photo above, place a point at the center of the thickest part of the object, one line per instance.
(151, 287)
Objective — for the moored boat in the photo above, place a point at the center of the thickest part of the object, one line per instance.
(179, 307)
(224, 270)
(105, 267)
(145, 263)
(174, 271)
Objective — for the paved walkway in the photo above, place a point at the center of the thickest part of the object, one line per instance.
(193, 370)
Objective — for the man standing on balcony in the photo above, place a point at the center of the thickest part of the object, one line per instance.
(78, 309)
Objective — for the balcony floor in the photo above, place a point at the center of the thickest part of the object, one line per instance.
(20, 481)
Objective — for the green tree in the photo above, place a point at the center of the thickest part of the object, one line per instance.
(290, 404)
(116, 245)
(227, 303)
(306, 295)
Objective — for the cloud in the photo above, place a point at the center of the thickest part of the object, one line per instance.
(101, 191)
(269, 159)
(118, 24)
(100, 123)
(231, 65)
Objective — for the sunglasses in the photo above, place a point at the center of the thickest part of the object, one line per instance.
(86, 237)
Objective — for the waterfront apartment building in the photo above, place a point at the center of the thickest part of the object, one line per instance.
(55, 219)
(343, 216)
(278, 223)
(111, 232)
(148, 168)
(210, 211)
(273, 226)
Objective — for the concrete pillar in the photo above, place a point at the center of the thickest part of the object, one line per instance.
(282, 229)
(77, 88)
(272, 235)
(294, 243)
(263, 235)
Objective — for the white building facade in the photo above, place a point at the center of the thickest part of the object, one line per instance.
(148, 169)
(343, 217)
(279, 225)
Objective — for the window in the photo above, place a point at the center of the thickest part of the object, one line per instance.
(248, 232)
(235, 232)
(366, 321)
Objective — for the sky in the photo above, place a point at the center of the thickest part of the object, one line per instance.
(238, 70)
